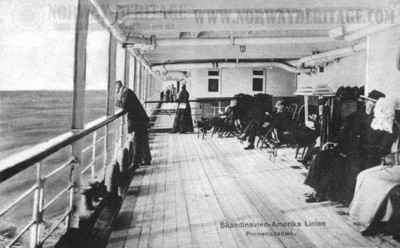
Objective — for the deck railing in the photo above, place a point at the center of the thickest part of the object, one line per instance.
(34, 156)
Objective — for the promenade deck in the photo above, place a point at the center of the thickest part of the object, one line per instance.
(196, 186)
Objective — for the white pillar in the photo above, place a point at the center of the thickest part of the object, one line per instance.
(146, 84)
(112, 61)
(110, 109)
(123, 130)
(305, 109)
(139, 81)
(134, 71)
(78, 108)
(127, 69)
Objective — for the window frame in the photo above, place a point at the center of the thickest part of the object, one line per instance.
(215, 77)
(253, 76)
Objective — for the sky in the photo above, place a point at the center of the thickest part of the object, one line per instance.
(37, 46)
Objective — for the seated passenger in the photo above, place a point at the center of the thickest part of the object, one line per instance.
(231, 118)
(371, 205)
(281, 121)
(306, 136)
(333, 172)
(256, 117)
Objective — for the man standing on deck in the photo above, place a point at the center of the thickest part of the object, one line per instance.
(138, 122)
(174, 93)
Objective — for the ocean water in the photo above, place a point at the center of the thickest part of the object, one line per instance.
(28, 118)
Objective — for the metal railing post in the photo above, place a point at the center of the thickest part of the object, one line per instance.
(37, 208)
(73, 166)
(37, 234)
(76, 185)
(93, 167)
(105, 148)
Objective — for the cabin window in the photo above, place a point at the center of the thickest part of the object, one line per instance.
(213, 81)
(212, 85)
(258, 80)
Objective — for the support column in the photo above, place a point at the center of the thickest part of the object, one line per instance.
(126, 83)
(127, 69)
(150, 89)
(112, 61)
(145, 82)
(139, 81)
(367, 62)
(134, 74)
(110, 109)
(78, 108)
(305, 109)
(146, 88)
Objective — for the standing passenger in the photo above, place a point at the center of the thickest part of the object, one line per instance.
(174, 93)
(168, 94)
(183, 119)
(162, 96)
(138, 122)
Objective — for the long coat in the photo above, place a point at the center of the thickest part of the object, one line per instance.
(183, 119)
(137, 116)
(360, 147)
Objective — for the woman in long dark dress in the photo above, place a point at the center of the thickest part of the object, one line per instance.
(333, 172)
(183, 119)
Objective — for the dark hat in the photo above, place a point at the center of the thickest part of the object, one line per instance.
(374, 95)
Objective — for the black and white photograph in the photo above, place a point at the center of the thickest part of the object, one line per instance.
(199, 124)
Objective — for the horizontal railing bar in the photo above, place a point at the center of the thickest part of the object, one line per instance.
(55, 198)
(100, 139)
(26, 228)
(22, 160)
(205, 99)
(91, 146)
(59, 169)
(87, 167)
(20, 198)
(54, 227)
(87, 149)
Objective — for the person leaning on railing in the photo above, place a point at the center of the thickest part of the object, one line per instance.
(138, 122)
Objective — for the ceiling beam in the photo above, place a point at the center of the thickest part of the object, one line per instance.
(180, 67)
(364, 32)
(162, 26)
(154, 6)
(330, 55)
(101, 8)
(241, 41)
(339, 32)
(356, 32)
(144, 62)
(140, 43)
(210, 61)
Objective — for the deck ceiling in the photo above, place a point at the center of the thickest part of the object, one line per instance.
(187, 31)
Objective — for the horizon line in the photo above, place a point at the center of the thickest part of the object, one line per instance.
(49, 89)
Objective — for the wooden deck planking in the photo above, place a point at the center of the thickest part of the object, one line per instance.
(194, 184)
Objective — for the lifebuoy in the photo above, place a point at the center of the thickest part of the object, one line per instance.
(123, 160)
(112, 178)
